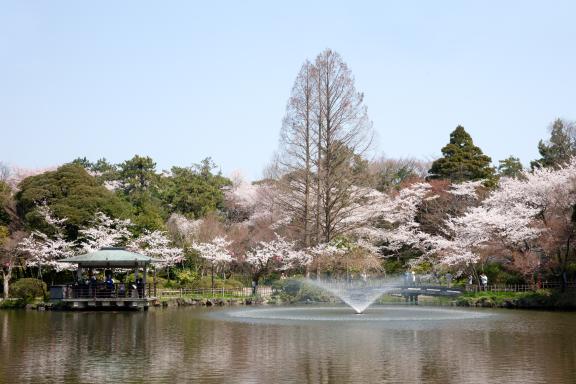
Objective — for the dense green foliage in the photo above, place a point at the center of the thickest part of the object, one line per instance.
(297, 291)
(28, 289)
(4, 216)
(193, 191)
(71, 193)
(140, 193)
(4, 201)
(462, 160)
(510, 167)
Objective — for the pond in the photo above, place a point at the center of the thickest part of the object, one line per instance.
(388, 344)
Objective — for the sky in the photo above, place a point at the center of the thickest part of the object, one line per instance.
(181, 80)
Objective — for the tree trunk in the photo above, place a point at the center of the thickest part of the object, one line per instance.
(319, 168)
(6, 276)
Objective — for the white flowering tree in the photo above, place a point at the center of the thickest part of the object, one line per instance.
(157, 245)
(268, 256)
(44, 250)
(105, 232)
(522, 217)
(215, 252)
(519, 218)
(182, 228)
(399, 215)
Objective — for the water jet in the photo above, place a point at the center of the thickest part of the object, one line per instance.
(357, 294)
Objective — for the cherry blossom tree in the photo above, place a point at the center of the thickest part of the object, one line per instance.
(215, 251)
(268, 256)
(157, 245)
(396, 225)
(45, 250)
(519, 213)
(105, 232)
(184, 229)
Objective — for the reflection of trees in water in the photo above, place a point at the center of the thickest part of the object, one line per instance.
(176, 345)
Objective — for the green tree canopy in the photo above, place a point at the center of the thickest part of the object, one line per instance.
(462, 160)
(70, 192)
(560, 148)
(5, 195)
(510, 167)
(138, 174)
(102, 169)
(194, 191)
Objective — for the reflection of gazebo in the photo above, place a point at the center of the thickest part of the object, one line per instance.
(86, 293)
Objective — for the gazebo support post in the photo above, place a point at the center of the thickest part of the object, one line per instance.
(144, 281)
(155, 281)
(136, 281)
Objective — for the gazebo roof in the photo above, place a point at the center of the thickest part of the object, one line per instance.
(110, 257)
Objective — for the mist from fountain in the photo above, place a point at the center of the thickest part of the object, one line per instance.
(358, 294)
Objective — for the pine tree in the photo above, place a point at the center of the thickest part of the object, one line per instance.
(560, 148)
(462, 160)
(510, 167)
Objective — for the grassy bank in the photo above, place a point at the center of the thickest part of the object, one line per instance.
(540, 299)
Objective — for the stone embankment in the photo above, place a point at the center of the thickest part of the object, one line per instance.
(208, 302)
(164, 303)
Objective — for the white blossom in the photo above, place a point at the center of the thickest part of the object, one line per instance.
(215, 251)
(106, 232)
(158, 246)
(466, 189)
(276, 252)
(44, 251)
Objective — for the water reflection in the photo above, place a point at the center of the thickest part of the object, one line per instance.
(184, 345)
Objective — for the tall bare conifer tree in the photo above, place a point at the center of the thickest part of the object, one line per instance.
(325, 133)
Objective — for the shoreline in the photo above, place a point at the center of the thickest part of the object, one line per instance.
(537, 300)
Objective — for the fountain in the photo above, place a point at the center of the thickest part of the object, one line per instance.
(357, 294)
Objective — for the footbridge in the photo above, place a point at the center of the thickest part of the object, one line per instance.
(409, 292)
(428, 290)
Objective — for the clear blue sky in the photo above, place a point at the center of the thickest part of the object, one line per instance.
(180, 81)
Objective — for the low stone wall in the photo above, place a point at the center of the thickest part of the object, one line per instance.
(212, 302)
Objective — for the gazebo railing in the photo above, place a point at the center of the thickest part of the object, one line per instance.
(104, 291)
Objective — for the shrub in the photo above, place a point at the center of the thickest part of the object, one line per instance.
(497, 274)
(287, 286)
(12, 304)
(28, 289)
(292, 291)
(310, 292)
(187, 278)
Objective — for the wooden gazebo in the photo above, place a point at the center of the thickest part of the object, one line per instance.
(91, 293)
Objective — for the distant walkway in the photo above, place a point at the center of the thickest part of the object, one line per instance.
(521, 287)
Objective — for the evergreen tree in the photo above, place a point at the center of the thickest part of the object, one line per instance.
(462, 160)
(139, 184)
(560, 148)
(137, 174)
(510, 167)
(193, 191)
(70, 192)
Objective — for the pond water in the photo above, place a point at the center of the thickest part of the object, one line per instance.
(388, 344)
